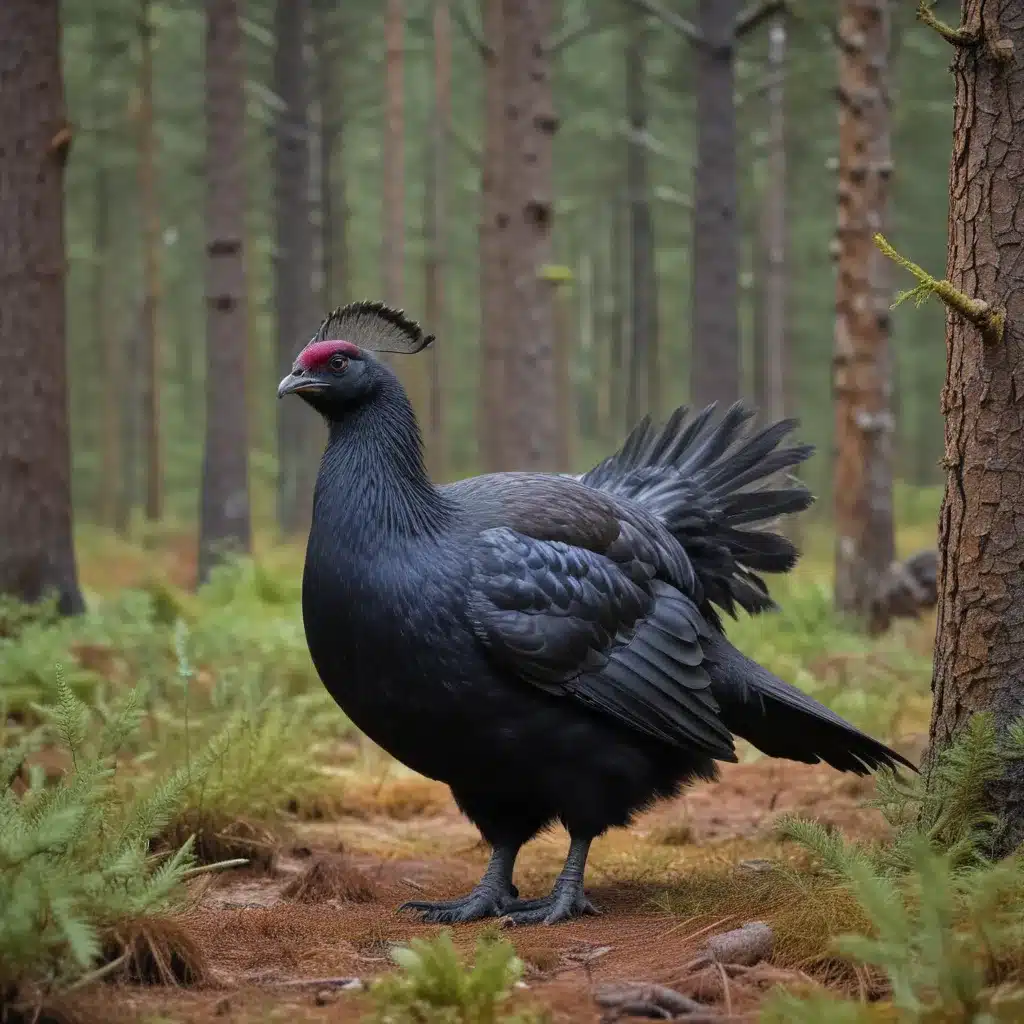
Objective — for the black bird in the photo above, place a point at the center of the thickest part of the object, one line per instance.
(546, 645)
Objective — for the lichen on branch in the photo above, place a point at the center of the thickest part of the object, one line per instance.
(965, 35)
(990, 320)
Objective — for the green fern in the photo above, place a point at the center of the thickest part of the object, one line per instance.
(943, 918)
(74, 855)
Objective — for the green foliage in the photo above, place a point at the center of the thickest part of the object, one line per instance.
(74, 856)
(434, 986)
(945, 928)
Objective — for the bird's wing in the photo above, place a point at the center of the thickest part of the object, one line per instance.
(607, 633)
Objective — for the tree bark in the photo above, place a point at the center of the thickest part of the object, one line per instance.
(293, 262)
(150, 217)
(393, 251)
(715, 369)
(329, 40)
(862, 365)
(37, 555)
(224, 515)
(494, 225)
(436, 230)
(979, 661)
(643, 384)
(775, 236)
(531, 420)
(105, 336)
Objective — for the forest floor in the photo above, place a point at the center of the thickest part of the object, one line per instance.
(702, 864)
(688, 868)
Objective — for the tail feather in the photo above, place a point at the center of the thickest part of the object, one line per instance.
(782, 721)
(709, 483)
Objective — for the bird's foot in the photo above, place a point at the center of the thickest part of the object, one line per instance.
(483, 901)
(566, 901)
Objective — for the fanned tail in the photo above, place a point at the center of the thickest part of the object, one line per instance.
(710, 484)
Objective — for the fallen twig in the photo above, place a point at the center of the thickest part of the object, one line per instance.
(644, 999)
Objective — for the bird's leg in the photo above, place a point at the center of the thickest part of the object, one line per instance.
(488, 898)
(566, 900)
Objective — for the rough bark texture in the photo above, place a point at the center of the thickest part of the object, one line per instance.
(224, 514)
(775, 236)
(979, 653)
(413, 372)
(435, 225)
(861, 365)
(494, 225)
(715, 371)
(393, 249)
(105, 337)
(530, 388)
(150, 217)
(293, 263)
(36, 549)
(642, 388)
(329, 37)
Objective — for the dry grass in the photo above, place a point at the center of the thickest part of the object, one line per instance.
(156, 951)
(331, 877)
(219, 838)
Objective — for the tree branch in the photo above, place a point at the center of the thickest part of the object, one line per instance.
(461, 17)
(965, 35)
(990, 320)
(749, 19)
(572, 33)
(685, 28)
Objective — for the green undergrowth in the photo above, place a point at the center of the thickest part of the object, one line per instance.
(880, 684)
(434, 986)
(244, 625)
(935, 921)
(77, 875)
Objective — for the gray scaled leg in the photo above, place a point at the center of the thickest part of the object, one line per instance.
(488, 898)
(566, 899)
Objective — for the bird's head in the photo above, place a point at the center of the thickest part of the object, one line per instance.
(337, 371)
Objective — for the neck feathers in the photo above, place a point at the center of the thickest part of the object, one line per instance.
(373, 485)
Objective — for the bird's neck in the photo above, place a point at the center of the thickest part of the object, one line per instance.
(373, 488)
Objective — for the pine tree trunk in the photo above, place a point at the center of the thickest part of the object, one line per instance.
(978, 661)
(494, 226)
(224, 515)
(393, 249)
(412, 372)
(642, 391)
(37, 555)
(715, 368)
(436, 231)
(861, 366)
(775, 284)
(105, 336)
(330, 100)
(149, 215)
(297, 446)
(531, 420)
(618, 290)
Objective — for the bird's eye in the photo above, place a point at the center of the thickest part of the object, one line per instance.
(338, 363)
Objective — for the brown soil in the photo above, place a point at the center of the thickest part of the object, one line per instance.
(329, 908)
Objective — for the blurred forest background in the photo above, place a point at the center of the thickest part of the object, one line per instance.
(365, 142)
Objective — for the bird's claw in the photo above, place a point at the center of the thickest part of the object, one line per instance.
(480, 903)
(566, 901)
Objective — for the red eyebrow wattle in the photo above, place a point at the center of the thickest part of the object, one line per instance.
(318, 352)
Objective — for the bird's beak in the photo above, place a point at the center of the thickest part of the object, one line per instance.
(293, 383)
